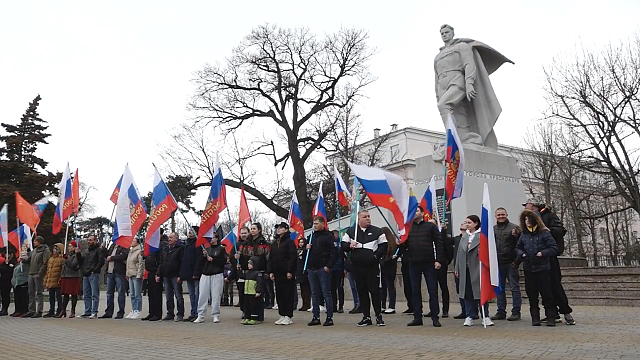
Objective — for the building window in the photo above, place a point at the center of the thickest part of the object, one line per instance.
(395, 153)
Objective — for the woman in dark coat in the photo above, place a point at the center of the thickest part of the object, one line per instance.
(301, 278)
(282, 269)
(388, 267)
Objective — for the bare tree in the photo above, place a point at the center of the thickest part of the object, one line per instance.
(289, 79)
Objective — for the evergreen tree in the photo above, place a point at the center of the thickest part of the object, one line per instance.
(22, 170)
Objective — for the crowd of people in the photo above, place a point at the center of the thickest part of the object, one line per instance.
(267, 274)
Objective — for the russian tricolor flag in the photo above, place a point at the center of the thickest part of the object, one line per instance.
(40, 205)
(162, 206)
(318, 208)
(4, 227)
(295, 219)
(429, 202)
(342, 192)
(489, 279)
(216, 202)
(454, 163)
(229, 241)
(19, 236)
(65, 202)
(116, 192)
(130, 211)
(389, 191)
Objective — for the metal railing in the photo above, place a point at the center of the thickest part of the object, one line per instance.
(609, 261)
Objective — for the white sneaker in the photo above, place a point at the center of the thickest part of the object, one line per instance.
(286, 321)
(275, 307)
(93, 316)
(310, 309)
(323, 309)
(487, 322)
(130, 315)
(389, 311)
(468, 322)
(199, 320)
(136, 315)
(279, 321)
(216, 319)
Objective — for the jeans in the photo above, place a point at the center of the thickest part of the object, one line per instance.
(135, 289)
(507, 272)
(171, 289)
(193, 286)
(354, 290)
(115, 282)
(35, 293)
(471, 304)
(320, 282)
(55, 295)
(91, 293)
(210, 285)
(416, 272)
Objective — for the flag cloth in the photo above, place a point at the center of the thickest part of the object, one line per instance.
(342, 192)
(295, 219)
(26, 213)
(40, 205)
(388, 190)
(65, 201)
(75, 193)
(230, 240)
(243, 215)
(162, 206)
(4, 227)
(130, 211)
(116, 192)
(353, 216)
(454, 163)
(489, 279)
(216, 202)
(19, 236)
(429, 202)
(318, 208)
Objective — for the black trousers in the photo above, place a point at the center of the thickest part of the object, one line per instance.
(305, 294)
(444, 288)
(539, 284)
(368, 283)
(269, 293)
(406, 284)
(21, 298)
(254, 306)
(154, 293)
(388, 287)
(559, 296)
(5, 293)
(240, 285)
(337, 289)
(285, 289)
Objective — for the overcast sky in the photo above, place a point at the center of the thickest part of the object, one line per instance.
(114, 76)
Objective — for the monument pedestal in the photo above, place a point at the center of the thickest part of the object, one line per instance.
(481, 165)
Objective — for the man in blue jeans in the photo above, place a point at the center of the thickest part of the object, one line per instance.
(425, 252)
(187, 272)
(116, 260)
(169, 268)
(507, 234)
(322, 255)
(92, 262)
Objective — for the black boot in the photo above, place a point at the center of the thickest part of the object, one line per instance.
(535, 317)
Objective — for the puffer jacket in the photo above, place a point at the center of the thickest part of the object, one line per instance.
(282, 259)
(135, 263)
(530, 243)
(424, 245)
(505, 242)
(54, 269)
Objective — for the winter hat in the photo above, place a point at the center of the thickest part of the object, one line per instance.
(74, 243)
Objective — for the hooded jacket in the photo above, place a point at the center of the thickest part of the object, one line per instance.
(54, 269)
(37, 260)
(531, 242)
(282, 257)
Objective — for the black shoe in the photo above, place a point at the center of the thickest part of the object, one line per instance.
(29, 314)
(475, 317)
(189, 319)
(551, 323)
(436, 323)
(154, 318)
(445, 315)
(146, 317)
(568, 319)
(460, 316)
(427, 314)
(168, 318)
(4, 313)
(499, 316)
(379, 321)
(535, 322)
(407, 312)
(105, 316)
(366, 321)
(514, 317)
(48, 315)
(355, 311)
(340, 310)
(328, 322)
(415, 322)
(118, 317)
(193, 319)
(37, 315)
(314, 322)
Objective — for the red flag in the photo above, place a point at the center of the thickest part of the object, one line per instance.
(244, 215)
(75, 193)
(26, 213)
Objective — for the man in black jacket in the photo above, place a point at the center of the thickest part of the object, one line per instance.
(507, 234)
(92, 262)
(116, 260)
(553, 223)
(367, 245)
(169, 269)
(322, 255)
(187, 272)
(425, 254)
(154, 285)
(281, 268)
(209, 269)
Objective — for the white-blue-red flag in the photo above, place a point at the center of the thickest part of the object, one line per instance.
(130, 211)
(229, 241)
(342, 192)
(116, 192)
(295, 219)
(318, 208)
(487, 253)
(163, 205)
(4, 227)
(454, 163)
(429, 202)
(40, 205)
(388, 190)
(216, 202)
(65, 202)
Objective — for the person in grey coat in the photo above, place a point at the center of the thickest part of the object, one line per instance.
(467, 269)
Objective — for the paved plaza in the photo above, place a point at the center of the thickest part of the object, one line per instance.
(601, 333)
